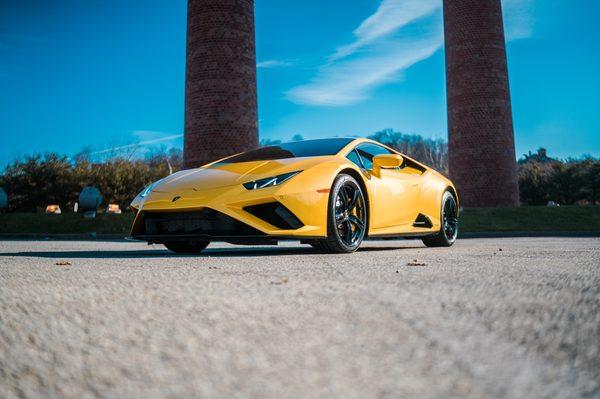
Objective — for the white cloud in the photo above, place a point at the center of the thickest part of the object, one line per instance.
(143, 140)
(398, 35)
(389, 41)
(274, 64)
(348, 82)
(518, 18)
(146, 137)
(389, 17)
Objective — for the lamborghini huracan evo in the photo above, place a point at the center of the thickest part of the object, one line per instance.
(329, 193)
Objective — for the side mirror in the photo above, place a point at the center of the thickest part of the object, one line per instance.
(386, 161)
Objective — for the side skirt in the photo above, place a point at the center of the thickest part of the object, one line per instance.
(400, 235)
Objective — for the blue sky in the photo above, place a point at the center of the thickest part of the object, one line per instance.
(103, 74)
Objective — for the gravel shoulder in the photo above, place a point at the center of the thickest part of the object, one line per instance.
(500, 318)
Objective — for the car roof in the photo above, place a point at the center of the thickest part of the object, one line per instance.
(352, 142)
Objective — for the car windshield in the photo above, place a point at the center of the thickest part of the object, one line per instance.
(297, 149)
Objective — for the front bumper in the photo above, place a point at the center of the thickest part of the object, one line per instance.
(232, 213)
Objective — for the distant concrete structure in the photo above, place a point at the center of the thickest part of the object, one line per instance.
(89, 201)
(482, 158)
(220, 93)
(90, 198)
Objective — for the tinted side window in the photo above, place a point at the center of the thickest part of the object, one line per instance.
(368, 151)
(308, 148)
(353, 157)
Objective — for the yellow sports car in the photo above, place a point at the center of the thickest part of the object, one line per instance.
(329, 193)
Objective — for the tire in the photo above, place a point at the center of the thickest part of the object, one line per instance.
(449, 224)
(346, 217)
(187, 247)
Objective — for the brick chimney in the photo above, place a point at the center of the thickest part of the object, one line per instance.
(220, 92)
(480, 128)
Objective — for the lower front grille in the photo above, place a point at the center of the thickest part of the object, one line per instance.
(204, 222)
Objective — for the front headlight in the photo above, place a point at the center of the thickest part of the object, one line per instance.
(147, 190)
(270, 181)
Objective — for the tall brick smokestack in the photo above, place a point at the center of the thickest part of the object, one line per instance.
(220, 92)
(480, 136)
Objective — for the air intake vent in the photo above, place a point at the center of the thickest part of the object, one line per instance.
(275, 214)
(204, 222)
(422, 221)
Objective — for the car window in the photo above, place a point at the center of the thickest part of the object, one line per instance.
(307, 148)
(353, 157)
(367, 151)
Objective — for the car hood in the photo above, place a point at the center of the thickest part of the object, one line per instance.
(223, 175)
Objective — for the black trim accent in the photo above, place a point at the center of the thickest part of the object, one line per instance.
(205, 222)
(276, 214)
(254, 240)
(399, 235)
(422, 221)
(412, 164)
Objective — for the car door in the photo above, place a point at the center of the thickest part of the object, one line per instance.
(395, 194)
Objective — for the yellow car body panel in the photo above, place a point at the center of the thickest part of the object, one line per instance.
(395, 197)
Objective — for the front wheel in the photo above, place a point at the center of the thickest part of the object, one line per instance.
(346, 217)
(449, 224)
(187, 247)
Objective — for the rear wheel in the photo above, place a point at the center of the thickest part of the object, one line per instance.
(187, 247)
(449, 224)
(346, 217)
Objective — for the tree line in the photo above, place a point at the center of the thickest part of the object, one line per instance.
(38, 180)
(572, 181)
(42, 179)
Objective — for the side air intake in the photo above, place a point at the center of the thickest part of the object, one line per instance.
(422, 221)
(275, 214)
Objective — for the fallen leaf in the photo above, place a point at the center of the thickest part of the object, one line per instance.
(416, 262)
(63, 263)
(282, 281)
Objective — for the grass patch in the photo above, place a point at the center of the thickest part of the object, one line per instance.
(66, 223)
(530, 218)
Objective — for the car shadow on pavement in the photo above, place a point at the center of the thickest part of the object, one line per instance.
(209, 252)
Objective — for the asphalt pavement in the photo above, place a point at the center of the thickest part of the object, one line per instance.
(487, 318)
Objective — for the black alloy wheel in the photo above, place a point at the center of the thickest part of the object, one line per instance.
(187, 247)
(450, 218)
(347, 217)
(449, 224)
